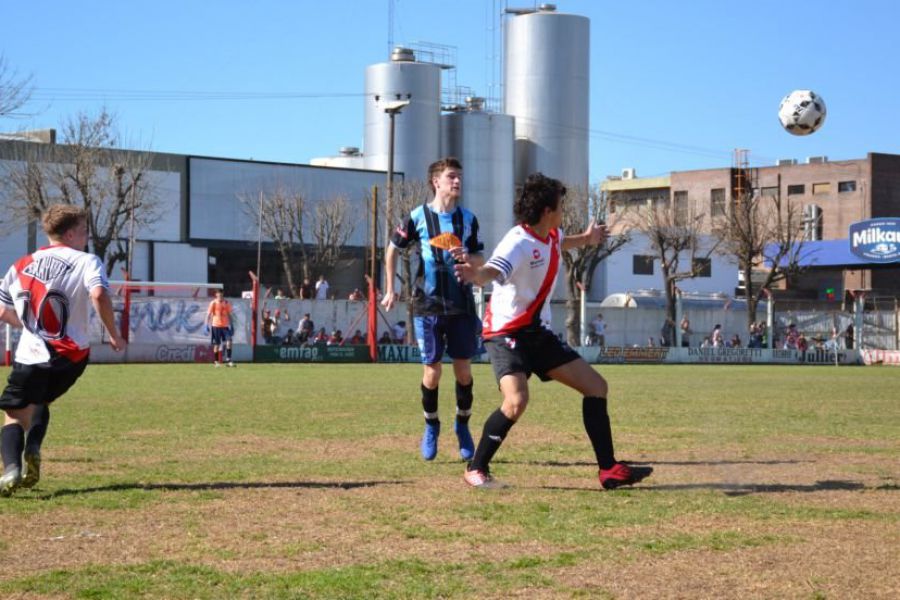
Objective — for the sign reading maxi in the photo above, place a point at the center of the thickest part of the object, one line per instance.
(876, 240)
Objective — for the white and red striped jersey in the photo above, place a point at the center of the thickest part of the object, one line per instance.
(50, 292)
(528, 266)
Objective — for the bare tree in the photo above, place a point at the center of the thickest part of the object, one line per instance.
(332, 226)
(281, 214)
(763, 234)
(15, 91)
(580, 208)
(88, 170)
(675, 234)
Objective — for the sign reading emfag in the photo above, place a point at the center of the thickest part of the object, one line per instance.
(876, 240)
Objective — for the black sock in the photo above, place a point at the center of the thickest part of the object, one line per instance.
(12, 442)
(464, 402)
(495, 430)
(596, 423)
(228, 353)
(430, 404)
(40, 420)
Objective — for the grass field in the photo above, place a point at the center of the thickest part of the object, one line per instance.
(296, 481)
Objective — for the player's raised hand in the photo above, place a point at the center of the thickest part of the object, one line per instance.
(596, 233)
(459, 254)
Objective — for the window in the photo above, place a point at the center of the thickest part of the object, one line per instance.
(796, 190)
(642, 265)
(681, 207)
(821, 188)
(717, 202)
(702, 267)
(846, 186)
(812, 223)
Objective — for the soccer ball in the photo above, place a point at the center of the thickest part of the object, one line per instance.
(802, 112)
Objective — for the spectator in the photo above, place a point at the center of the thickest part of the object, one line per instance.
(706, 343)
(597, 332)
(288, 339)
(321, 337)
(735, 341)
(307, 290)
(268, 326)
(279, 294)
(356, 295)
(802, 343)
(791, 337)
(358, 339)
(336, 339)
(667, 333)
(399, 331)
(305, 329)
(321, 288)
(385, 338)
(752, 337)
(762, 332)
(848, 337)
(686, 332)
(282, 324)
(716, 338)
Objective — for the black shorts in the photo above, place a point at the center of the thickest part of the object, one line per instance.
(41, 383)
(220, 335)
(528, 351)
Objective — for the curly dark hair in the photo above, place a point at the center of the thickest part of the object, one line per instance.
(538, 193)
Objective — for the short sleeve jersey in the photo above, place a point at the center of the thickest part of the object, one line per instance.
(440, 292)
(528, 266)
(220, 313)
(50, 292)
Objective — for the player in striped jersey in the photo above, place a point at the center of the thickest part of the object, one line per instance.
(517, 332)
(444, 308)
(48, 293)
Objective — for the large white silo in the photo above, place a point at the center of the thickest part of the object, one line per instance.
(416, 127)
(484, 143)
(546, 88)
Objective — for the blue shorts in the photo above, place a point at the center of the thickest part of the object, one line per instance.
(221, 335)
(460, 335)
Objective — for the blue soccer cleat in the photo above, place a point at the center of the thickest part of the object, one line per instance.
(466, 444)
(430, 439)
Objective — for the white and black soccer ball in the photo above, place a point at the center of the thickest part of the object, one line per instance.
(802, 112)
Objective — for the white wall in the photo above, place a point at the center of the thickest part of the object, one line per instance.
(619, 276)
(216, 188)
(180, 263)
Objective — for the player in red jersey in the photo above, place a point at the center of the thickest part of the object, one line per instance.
(517, 332)
(48, 294)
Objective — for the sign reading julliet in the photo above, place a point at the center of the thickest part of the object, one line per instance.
(876, 240)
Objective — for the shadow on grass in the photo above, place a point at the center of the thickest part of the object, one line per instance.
(739, 489)
(677, 463)
(221, 485)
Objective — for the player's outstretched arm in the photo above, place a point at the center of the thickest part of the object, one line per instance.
(103, 305)
(594, 235)
(479, 275)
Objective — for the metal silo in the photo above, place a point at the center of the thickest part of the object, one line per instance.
(484, 144)
(546, 88)
(416, 128)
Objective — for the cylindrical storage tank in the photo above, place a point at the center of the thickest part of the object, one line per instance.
(416, 127)
(484, 143)
(546, 88)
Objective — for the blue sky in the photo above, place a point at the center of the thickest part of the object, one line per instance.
(674, 85)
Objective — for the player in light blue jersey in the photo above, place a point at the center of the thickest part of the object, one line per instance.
(445, 317)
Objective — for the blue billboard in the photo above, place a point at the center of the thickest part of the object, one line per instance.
(876, 240)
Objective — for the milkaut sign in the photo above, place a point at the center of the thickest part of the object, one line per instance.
(876, 240)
